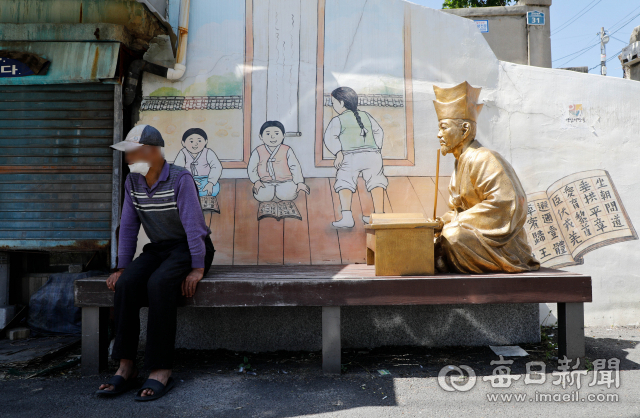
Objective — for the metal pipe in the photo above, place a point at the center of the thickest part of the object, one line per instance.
(137, 67)
(180, 66)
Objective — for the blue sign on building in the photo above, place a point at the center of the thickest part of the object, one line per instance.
(535, 18)
(483, 25)
(13, 68)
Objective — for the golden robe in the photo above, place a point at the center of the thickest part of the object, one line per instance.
(484, 231)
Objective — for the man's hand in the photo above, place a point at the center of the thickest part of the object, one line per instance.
(190, 283)
(209, 189)
(339, 159)
(257, 186)
(303, 188)
(113, 278)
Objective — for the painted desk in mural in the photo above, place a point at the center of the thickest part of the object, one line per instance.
(333, 286)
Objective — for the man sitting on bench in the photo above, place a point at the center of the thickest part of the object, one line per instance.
(164, 199)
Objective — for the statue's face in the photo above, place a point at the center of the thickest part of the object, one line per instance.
(451, 135)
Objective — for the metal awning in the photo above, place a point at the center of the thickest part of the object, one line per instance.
(71, 62)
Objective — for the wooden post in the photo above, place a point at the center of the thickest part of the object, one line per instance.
(95, 344)
(571, 330)
(116, 175)
(331, 354)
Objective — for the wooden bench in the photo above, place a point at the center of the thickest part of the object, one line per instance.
(333, 286)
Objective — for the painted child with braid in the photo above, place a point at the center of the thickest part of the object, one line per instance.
(355, 138)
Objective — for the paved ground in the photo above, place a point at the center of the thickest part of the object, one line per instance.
(291, 384)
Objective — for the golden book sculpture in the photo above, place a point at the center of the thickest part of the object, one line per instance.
(484, 230)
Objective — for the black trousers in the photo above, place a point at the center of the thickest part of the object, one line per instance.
(153, 279)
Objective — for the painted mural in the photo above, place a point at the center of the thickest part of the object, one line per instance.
(204, 165)
(577, 214)
(355, 138)
(211, 96)
(276, 174)
(300, 118)
(364, 49)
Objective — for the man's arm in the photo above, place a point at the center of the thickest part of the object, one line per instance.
(129, 228)
(192, 218)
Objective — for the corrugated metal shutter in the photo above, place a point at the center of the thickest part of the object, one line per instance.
(55, 166)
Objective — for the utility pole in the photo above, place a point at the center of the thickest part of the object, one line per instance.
(604, 39)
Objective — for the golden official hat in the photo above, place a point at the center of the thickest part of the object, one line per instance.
(458, 102)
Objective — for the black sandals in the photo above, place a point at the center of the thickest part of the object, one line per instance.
(120, 385)
(159, 390)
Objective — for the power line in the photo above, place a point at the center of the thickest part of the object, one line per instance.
(570, 37)
(619, 40)
(612, 27)
(625, 24)
(577, 52)
(626, 20)
(577, 16)
(585, 51)
(609, 59)
(570, 20)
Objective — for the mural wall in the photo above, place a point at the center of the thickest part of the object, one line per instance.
(299, 118)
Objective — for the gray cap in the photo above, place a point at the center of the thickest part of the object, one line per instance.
(138, 136)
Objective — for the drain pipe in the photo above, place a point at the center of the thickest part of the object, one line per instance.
(137, 67)
(180, 67)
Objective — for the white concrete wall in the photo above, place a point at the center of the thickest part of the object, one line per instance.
(529, 129)
(524, 119)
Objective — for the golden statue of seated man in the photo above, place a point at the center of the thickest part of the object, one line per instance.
(484, 230)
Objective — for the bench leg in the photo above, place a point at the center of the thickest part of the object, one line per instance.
(331, 340)
(571, 330)
(95, 344)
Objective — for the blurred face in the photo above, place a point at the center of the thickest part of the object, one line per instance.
(451, 134)
(272, 136)
(194, 143)
(143, 154)
(338, 105)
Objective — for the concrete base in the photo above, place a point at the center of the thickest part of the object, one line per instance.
(6, 314)
(19, 333)
(300, 328)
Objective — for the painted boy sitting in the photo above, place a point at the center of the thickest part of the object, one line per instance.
(201, 161)
(273, 167)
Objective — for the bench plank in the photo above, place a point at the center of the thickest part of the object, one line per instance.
(352, 285)
(333, 286)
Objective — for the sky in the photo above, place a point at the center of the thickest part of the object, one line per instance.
(574, 28)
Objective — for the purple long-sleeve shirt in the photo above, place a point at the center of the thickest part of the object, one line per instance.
(189, 211)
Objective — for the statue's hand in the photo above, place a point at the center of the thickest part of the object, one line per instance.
(440, 224)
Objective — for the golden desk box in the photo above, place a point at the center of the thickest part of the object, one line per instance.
(401, 244)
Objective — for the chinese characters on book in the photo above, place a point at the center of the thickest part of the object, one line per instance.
(577, 214)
